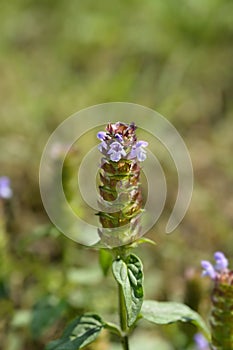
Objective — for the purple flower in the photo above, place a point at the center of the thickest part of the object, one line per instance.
(201, 342)
(101, 135)
(208, 269)
(119, 137)
(102, 146)
(138, 151)
(221, 261)
(5, 189)
(120, 141)
(116, 151)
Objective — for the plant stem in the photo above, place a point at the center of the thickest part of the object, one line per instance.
(123, 318)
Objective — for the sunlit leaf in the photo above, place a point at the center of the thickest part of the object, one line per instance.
(170, 312)
(129, 275)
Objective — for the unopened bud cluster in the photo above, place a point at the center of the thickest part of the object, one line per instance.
(120, 192)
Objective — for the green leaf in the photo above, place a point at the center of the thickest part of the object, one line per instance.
(129, 274)
(79, 333)
(139, 241)
(45, 312)
(105, 260)
(170, 312)
(111, 327)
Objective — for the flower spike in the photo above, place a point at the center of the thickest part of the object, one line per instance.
(221, 319)
(120, 191)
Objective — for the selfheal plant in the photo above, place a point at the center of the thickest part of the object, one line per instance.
(120, 203)
(221, 319)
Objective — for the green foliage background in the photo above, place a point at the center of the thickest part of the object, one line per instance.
(58, 57)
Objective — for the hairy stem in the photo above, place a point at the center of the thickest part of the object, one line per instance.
(123, 318)
(121, 252)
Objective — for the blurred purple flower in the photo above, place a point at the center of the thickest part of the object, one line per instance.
(116, 151)
(138, 151)
(201, 342)
(216, 270)
(5, 189)
(221, 261)
(208, 269)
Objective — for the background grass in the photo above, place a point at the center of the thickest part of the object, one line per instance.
(58, 57)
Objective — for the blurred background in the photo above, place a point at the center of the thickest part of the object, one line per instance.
(58, 57)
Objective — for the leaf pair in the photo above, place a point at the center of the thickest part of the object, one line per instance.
(129, 275)
(128, 272)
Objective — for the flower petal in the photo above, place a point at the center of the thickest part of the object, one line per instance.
(101, 135)
(141, 144)
(115, 156)
(208, 269)
(221, 261)
(141, 155)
